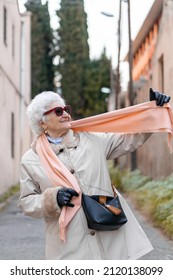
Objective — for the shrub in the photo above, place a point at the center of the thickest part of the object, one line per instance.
(154, 197)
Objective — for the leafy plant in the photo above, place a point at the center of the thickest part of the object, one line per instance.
(154, 197)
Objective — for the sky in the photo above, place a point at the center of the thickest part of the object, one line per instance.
(103, 30)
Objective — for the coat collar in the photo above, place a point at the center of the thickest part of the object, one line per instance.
(70, 140)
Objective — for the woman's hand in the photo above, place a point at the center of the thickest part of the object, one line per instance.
(64, 197)
(160, 98)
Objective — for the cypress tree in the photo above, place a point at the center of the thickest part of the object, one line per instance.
(73, 52)
(42, 48)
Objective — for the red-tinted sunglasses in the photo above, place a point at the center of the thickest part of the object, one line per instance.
(59, 110)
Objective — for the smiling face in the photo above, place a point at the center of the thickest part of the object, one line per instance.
(56, 126)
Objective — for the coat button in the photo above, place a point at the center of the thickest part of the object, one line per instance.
(72, 171)
(92, 232)
(61, 150)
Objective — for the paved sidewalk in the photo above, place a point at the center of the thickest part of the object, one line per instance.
(22, 238)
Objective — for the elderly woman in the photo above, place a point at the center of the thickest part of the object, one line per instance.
(84, 156)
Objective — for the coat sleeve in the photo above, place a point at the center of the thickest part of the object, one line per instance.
(34, 202)
(116, 145)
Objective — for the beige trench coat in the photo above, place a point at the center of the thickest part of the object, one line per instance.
(85, 155)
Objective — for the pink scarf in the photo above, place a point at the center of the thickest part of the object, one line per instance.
(141, 118)
(59, 175)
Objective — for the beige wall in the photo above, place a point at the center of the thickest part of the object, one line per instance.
(14, 90)
(154, 158)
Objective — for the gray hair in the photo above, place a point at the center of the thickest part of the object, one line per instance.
(38, 106)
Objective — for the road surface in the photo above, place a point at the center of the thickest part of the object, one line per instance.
(22, 238)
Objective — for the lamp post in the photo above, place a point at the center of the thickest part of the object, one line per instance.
(117, 86)
(130, 89)
(130, 85)
(130, 55)
(130, 59)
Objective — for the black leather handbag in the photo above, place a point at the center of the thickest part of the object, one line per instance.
(103, 213)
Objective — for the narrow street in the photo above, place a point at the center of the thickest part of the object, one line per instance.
(22, 238)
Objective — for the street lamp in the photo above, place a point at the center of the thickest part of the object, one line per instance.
(107, 14)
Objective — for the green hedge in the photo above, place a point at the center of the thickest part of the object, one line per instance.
(154, 197)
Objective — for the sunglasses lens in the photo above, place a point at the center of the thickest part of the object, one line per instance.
(59, 111)
(68, 109)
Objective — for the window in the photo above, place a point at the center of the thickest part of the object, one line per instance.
(5, 25)
(12, 135)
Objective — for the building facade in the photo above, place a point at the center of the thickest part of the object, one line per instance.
(153, 67)
(15, 85)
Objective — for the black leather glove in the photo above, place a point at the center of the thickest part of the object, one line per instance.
(64, 197)
(159, 97)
